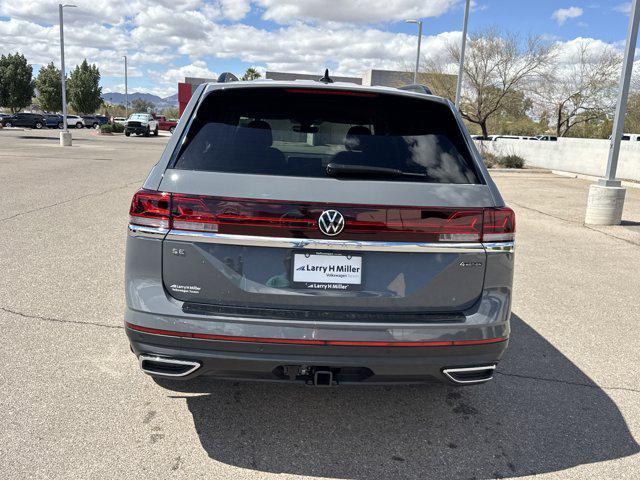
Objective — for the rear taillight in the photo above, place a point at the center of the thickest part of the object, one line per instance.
(193, 213)
(150, 208)
(461, 226)
(299, 220)
(499, 225)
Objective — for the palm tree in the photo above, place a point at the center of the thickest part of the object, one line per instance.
(251, 74)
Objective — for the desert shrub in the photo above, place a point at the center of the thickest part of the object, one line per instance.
(511, 161)
(117, 128)
(489, 159)
(106, 128)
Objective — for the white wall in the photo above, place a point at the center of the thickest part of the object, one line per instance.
(575, 155)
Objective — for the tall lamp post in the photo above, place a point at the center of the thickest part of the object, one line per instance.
(606, 198)
(462, 49)
(126, 89)
(415, 73)
(65, 135)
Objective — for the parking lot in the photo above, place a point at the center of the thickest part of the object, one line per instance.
(73, 404)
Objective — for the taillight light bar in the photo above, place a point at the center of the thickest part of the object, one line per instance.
(284, 219)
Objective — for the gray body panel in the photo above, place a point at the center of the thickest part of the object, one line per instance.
(326, 190)
(397, 282)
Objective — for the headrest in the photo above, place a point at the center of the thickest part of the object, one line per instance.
(257, 134)
(354, 140)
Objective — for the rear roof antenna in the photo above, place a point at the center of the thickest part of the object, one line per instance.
(326, 78)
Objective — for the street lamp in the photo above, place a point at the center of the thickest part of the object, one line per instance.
(126, 90)
(462, 48)
(65, 135)
(606, 198)
(419, 22)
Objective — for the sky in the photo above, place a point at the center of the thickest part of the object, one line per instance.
(166, 40)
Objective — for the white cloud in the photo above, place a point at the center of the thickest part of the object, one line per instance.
(563, 14)
(567, 52)
(623, 8)
(352, 11)
(196, 69)
(159, 36)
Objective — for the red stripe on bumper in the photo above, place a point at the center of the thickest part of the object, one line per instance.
(302, 341)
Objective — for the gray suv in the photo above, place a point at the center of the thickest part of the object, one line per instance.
(319, 233)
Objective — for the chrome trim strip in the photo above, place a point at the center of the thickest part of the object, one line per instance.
(323, 244)
(194, 365)
(147, 232)
(448, 371)
(500, 247)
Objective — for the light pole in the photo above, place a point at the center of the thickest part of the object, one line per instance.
(65, 135)
(606, 199)
(462, 49)
(419, 22)
(126, 90)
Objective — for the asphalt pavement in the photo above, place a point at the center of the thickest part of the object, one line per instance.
(565, 402)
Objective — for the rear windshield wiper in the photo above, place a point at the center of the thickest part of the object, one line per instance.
(346, 170)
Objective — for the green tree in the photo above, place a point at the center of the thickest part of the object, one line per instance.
(632, 118)
(16, 83)
(109, 110)
(49, 88)
(142, 106)
(251, 74)
(171, 112)
(85, 93)
(496, 65)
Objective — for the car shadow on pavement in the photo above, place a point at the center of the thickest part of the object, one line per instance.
(540, 414)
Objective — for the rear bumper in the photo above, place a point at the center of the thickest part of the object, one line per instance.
(208, 337)
(351, 364)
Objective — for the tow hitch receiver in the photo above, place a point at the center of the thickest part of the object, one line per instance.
(323, 378)
(310, 375)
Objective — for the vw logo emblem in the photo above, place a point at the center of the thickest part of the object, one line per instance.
(331, 222)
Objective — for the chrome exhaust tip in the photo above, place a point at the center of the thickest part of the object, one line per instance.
(167, 367)
(469, 375)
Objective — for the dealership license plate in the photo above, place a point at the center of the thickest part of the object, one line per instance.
(327, 271)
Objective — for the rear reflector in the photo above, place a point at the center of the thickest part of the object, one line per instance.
(300, 220)
(305, 341)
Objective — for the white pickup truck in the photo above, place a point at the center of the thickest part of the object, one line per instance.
(141, 124)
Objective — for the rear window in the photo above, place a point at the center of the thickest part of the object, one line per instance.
(326, 133)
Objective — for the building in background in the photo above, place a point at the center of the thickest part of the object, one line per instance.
(440, 84)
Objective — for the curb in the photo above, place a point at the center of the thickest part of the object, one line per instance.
(625, 183)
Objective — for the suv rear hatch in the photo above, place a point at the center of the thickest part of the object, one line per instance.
(329, 202)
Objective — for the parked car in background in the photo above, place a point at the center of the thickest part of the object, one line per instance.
(119, 120)
(141, 124)
(54, 120)
(91, 121)
(633, 137)
(74, 121)
(321, 234)
(166, 124)
(102, 119)
(27, 120)
(512, 137)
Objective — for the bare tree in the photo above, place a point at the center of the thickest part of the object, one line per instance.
(496, 65)
(580, 86)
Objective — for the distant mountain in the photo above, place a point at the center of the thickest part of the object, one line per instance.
(117, 98)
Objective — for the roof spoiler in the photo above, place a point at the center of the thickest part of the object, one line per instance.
(416, 87)
(226, 77)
